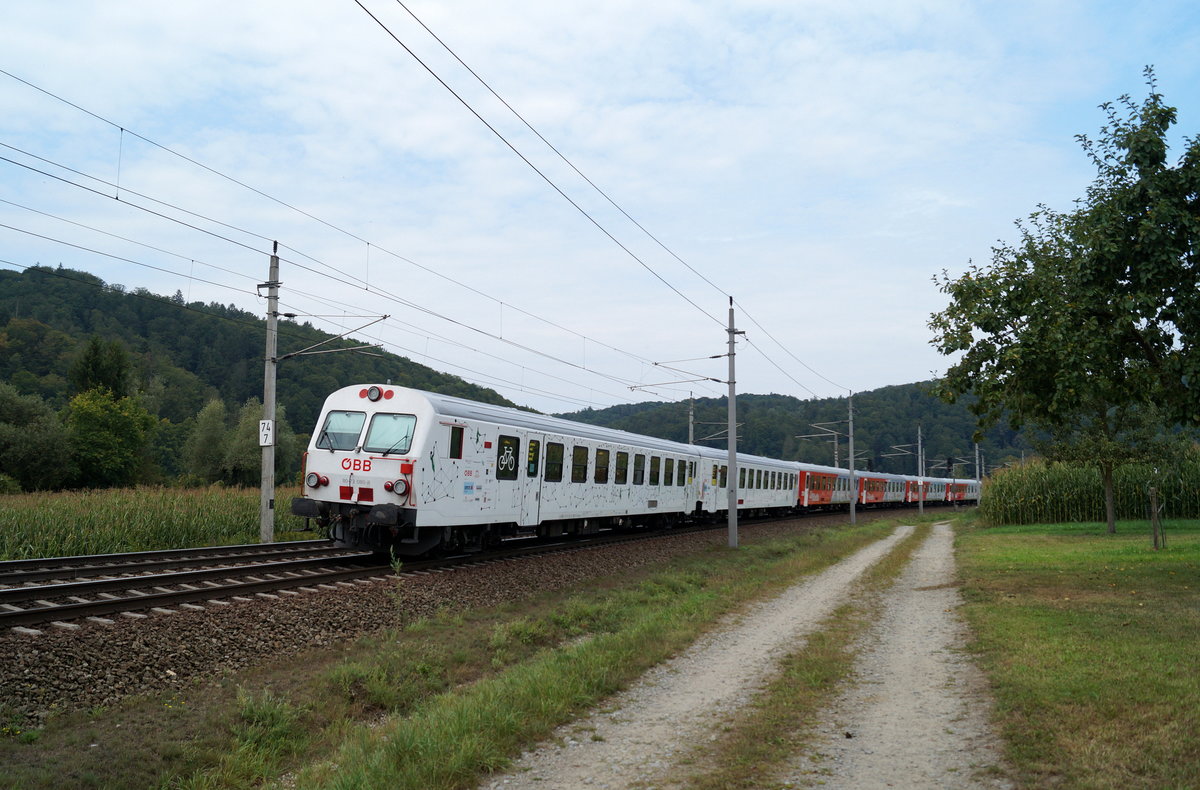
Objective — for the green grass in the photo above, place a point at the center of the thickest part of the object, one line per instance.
(1092, 643)
(137, 519)
(551, 665)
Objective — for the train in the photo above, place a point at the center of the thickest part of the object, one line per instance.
(410, 473)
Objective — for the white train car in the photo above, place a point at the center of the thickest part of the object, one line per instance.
(395, 469)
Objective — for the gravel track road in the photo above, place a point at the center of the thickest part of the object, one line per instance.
(918, 715)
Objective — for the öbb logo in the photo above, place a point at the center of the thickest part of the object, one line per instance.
(357, 464)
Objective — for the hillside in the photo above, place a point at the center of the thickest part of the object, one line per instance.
(186, 354)
(769, 425)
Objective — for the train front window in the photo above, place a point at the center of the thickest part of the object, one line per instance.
(341, 430)
(390, 433)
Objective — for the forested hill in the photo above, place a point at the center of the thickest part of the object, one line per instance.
(183, 355)
(769, 425)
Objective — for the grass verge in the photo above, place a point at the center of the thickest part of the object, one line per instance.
(759, 740)
(1092, 644)
(577, 653)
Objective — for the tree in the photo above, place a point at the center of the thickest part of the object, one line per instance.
(102, 365)
(34, 446)
(108, 435)
(1080, 328)
(242, 463)
(204, 452)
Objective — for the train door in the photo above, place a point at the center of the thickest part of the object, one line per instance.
(531, 480)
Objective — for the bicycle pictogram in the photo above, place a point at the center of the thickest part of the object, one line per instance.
(507, 461)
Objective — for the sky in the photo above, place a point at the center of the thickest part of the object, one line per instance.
(822, 163)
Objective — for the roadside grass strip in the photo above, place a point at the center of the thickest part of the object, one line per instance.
(1092, 645)
(758, 742)
(552, 659)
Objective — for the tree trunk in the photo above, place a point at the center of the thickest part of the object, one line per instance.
(1110, 508)
(1160, 539)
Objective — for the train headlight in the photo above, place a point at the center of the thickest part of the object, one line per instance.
(374, 393)
(397, 487)
(312, 480)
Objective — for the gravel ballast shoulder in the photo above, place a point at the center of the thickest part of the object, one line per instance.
(96, 665)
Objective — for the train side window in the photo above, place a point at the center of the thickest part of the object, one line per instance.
(533, 457)
(579, 459)
(601, 466)
(341, 430)
(742, 477)
(655, 467)
(554, 462)
(622, 474)
(724, 477)
(639, 469)
(508, 450)
(456, 441)
(681, 474)
(759, 479)
(669, 472)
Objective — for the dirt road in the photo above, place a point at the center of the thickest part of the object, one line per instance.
(916, 717)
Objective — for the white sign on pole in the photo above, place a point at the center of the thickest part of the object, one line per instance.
(266, 433)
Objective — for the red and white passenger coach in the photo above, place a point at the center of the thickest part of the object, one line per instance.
(401, 471)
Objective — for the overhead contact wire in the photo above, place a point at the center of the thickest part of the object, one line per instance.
(535, 169)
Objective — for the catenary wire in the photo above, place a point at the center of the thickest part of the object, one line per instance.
(318, 272)
(257, 325)
(278, 201)
(615, 205)
(534, 167)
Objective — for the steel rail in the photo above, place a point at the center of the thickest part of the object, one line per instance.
(167, 560)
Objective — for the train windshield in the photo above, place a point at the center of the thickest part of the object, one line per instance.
(341, 430)
(390, 433)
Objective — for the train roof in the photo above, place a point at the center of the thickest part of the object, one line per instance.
(464, 409)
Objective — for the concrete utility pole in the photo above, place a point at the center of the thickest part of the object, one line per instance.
(691, 419)
(920, 473)
(733, 468)
(266, 426)
(851, 464)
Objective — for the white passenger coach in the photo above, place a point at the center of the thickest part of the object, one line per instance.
(401, 471)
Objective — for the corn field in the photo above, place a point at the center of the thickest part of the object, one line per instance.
(136, 519)
(1041, 493)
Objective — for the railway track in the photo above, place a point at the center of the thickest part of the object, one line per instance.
(66, 591)
(97, 588)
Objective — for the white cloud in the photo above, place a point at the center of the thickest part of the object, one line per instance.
(819, 160)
